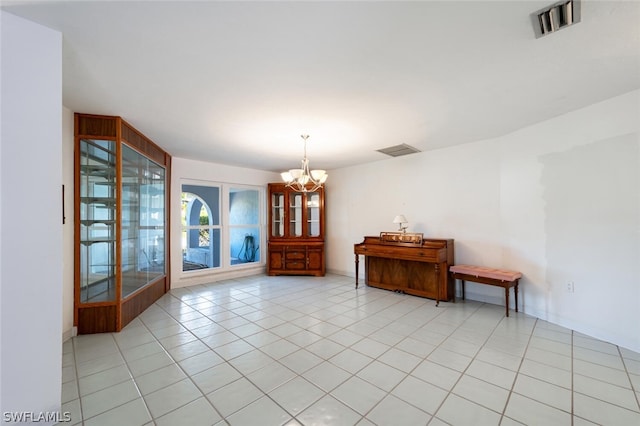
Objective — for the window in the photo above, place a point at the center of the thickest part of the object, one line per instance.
(244, 225)
(221, 226)
(200, 227)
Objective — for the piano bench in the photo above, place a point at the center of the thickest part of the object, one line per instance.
(480, 274)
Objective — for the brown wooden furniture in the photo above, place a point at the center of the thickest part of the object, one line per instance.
(121, 223)
(296, 231)
(406, 266)
(498, 277)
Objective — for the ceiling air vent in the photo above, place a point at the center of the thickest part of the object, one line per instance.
(398, 150)
(556, 17)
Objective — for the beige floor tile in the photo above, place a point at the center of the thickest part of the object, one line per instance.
(300, 350)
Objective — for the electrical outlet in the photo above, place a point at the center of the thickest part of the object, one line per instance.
(570, 287)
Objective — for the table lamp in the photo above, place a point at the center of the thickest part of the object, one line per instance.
(400, 220)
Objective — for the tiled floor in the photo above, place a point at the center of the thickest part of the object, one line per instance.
(314, 351)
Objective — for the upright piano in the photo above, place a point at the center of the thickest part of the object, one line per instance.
(408, 263)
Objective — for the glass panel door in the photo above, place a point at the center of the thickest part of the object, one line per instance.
(97, 220)
(142, 214)
(277, 214)
(295, 214)
(313, 214)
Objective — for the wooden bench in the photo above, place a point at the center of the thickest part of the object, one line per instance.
(498, 277)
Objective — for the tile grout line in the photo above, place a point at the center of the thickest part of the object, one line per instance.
(325, 314)
(211, 349)
(328, 393)
(135, 383)
(462, 373)
(75, 368)
(572, 377)
(449, 391)
(156, 340)
(407, 374)
(626, 370)
(515, 377)
(208, 349)
(573, 392)
(182, 369)
(254, 348)
(325, 393)
(99, 390)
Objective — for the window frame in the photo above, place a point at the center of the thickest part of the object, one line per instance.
(225, 227)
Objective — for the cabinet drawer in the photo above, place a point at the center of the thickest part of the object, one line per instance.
(297, 265)
(296, 255)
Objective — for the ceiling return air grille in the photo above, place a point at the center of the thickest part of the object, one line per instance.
(556, 17)
(399, 150)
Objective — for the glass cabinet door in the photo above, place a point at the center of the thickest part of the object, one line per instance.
(277, 214)
(313, 214)
(295, 214)
(97, 190)
(142, 225)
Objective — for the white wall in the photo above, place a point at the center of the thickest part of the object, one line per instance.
(191, 171)
(571, 212)
(559, 201)
(31, 217)
(68, 330)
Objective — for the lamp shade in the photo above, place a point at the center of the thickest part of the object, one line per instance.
(296, 173)
(400, 219)
(287, 177)
(318, 174)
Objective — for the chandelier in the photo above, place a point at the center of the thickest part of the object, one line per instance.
(302, 179)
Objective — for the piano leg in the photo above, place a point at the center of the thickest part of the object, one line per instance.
(437, 268)
(357, 262)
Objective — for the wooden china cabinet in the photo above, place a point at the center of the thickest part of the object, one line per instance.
(296, 231)
(121, 223)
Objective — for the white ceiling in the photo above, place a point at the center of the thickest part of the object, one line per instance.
(239, 82)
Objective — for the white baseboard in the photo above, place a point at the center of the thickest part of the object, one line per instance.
(340, 272)
(206, 278)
